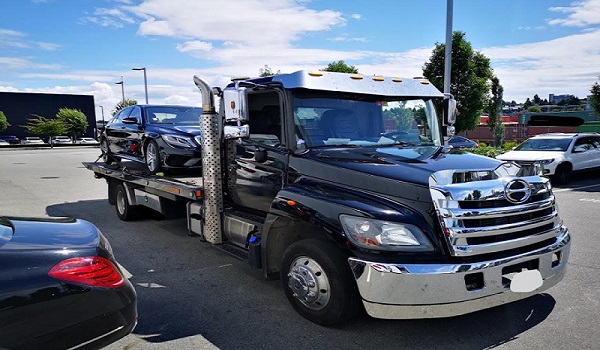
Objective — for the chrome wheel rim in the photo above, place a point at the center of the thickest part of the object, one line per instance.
(121, 202)
(104, 150)
(309, 283)
(151, 158)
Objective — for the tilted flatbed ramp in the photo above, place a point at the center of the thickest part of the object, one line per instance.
(186, 187)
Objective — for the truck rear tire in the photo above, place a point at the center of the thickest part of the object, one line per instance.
(318, 282)
(125, 211)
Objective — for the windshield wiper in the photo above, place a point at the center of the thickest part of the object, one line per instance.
(334, 146)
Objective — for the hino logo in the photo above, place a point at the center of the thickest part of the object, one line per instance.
(517, 191)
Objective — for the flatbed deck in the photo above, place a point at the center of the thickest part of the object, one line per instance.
(189, 187)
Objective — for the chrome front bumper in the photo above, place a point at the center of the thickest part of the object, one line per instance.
(408, 291)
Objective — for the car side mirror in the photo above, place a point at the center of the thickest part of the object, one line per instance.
(579, 149)
(130, 120)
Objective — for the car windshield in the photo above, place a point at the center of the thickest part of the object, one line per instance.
(364, 121)
(544, 144)
(174, 115)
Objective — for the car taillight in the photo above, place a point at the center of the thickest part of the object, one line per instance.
(92, 271)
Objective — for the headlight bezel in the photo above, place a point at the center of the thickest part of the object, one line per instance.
(384, 235)
(178, 141)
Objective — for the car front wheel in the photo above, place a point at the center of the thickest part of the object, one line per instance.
(106, 154)
(152, 157)
(562, 175)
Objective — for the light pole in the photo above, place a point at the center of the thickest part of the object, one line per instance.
(122, 88)
(102, 108)
(448, 53)
(145, 81)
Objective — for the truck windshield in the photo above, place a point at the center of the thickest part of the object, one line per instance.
(364, 121)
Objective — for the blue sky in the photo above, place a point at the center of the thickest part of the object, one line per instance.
(84, 47)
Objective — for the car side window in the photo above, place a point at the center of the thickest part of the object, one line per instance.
(123, 114)
(137, 114)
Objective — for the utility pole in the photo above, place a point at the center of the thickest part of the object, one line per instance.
(145, 81)
(122, 89)
(448, 53)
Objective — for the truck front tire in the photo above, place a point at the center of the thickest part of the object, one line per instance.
(318, 282)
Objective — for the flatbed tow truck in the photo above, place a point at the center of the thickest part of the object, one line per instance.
(341, 186)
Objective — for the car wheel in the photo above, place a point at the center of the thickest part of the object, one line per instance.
(318, 282)
(152, 157)
(562, 175)
(125, 211)
(106, 154)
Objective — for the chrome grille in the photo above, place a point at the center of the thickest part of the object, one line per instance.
(477, 218)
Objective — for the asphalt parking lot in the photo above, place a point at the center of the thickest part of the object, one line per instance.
(193, 296)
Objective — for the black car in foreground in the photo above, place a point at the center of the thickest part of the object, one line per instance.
(162, 137)
(60, 286)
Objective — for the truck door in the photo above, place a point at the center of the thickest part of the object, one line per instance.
(260, 160)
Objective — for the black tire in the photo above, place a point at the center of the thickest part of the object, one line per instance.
(125, 211)
(562, 175)
(152, 157)
(321, 268)
(107, 157)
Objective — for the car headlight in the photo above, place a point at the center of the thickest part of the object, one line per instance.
(178, 141)
(545, 161)
(384, 235)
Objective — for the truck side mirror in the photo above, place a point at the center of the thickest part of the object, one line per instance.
(236, 104)
(449, 111)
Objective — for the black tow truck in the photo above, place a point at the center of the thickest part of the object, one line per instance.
(341, 185)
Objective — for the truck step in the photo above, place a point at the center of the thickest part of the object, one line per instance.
(233, 250)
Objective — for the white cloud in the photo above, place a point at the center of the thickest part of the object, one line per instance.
(16, 39)
(564, 65)
(153, 27)
(346, 38)
(106, 17)
(355, 16)
(580, 14)
(195, 45)
(245, 21)
(11, 63)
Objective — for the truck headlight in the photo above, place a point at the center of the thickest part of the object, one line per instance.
(178, 141)
(384, 235)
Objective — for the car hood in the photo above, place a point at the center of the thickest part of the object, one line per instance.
(47, 233)
(410, 165)
(193, 130)
(529, 155)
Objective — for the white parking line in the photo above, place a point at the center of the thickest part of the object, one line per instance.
(574, 188)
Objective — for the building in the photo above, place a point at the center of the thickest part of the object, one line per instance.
(18, 107)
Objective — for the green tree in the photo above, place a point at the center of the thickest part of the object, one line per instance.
(43, 126)
(595, 98)
(534, 109)
(123, 104)
(340, 67)
(267, 71)
(3, 122)
(495, 111)
(470, 79)
(74, 120)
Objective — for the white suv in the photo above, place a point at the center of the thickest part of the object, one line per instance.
(560, 154)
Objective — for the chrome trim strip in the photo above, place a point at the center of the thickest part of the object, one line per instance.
(486, 231)
(97, 338)
(486, 213)
(469, 250)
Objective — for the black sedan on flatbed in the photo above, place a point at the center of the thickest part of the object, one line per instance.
(60, 286)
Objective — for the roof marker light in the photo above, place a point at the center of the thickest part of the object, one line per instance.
(378, 78)
(356, 76)
(425, 82)
(397, 80)
(315, 74)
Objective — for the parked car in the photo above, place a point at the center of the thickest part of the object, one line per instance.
(32, 140)
(4, 143)
(60, 286)
(462, 142)
(86, 141)
(11, 139)
(60, 140)
(162, 137)
(559, 153)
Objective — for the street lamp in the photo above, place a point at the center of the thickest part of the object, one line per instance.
(145, 81)
(102, 108)
(122, 88)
